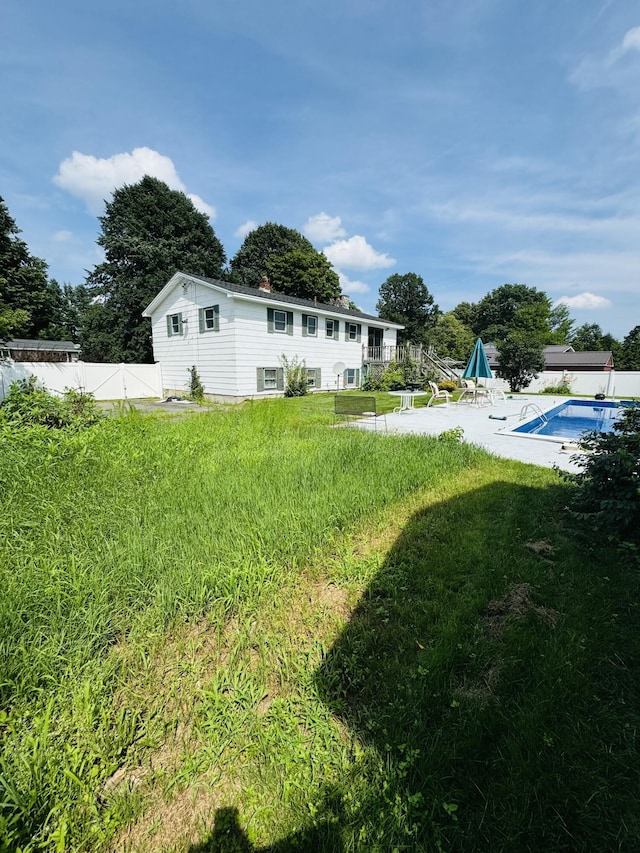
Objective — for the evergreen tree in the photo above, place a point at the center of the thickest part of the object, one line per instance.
(630, 351)
(30, 305)
(149, 232)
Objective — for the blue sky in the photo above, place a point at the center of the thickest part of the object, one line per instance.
(474, 142)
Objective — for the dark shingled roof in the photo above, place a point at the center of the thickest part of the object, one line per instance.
(590, 358)
(272, 295)
(41, 345)
(562, 357)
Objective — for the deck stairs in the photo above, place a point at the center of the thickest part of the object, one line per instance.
(428, 363)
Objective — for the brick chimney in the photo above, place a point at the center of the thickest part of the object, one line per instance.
(265, 284)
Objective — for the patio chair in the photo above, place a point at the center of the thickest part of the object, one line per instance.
(438, 394)
(473, 394)
(497, 395)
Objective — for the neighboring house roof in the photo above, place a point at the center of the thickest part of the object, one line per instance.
(41, 345)
(587, 360)
(558, 348)
(563, 357)
(254, 293)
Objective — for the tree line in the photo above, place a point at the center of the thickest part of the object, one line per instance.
(149, 231)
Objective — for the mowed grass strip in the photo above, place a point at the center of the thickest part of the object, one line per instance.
(248, 631)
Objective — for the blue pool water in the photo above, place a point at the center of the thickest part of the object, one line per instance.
(572, 418)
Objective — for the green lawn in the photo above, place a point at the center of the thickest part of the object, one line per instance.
(248, 631)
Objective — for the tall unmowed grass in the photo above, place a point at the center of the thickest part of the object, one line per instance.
(110, 535)
(247, 631)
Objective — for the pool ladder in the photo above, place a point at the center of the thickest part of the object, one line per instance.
(533, 408)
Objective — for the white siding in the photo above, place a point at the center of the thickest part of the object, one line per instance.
(227, 360)
(257, 347)
(213, 353)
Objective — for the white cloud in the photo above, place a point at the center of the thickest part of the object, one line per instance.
(245, 229)
(356, 253)
(350, 286)
(201, 205)
(62, 236)
(94, 179)
(516, 214)
(631, 40)
(594, 71)
(323, 228)
(584, 301)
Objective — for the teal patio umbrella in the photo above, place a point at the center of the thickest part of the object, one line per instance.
(478, 365)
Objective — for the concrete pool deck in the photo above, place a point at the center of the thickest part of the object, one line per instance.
(491, 433)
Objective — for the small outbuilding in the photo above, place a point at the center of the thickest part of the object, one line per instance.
(26, 349)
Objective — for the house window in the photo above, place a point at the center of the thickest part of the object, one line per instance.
(313, 377)
(353, 331)
(279, 321)
(351, 377)
(209, 319)
(270, 379)
(174, 324)
(332, 329)
(309, 325)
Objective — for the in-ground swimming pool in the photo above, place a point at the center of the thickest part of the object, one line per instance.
(571, 419)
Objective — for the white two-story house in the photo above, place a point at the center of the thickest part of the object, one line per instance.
(235, 336)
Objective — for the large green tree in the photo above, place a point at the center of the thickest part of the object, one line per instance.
(451, 338)
(149, 232)
(308, 275)
(405, 298)
(587, 337)
(514, 307)
(561, 324)
(30, 304)
(290, 261)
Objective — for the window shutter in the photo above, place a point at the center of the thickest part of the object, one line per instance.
(344, 378)
(201, 319)
(359, 327)
(336, 330)
(289, 322)
(169, 332)
(216, 318)
(304, 325)
(357, 377)
(260, 378)
(318, 379)
(180, 323)
(280, 379)
(270, 319)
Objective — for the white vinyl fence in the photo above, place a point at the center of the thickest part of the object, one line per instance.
(104, 381)
(585, 383)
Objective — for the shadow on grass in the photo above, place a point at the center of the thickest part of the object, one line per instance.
(469, 700)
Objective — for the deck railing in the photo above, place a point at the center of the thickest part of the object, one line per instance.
(424, 358)
(386, 354)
